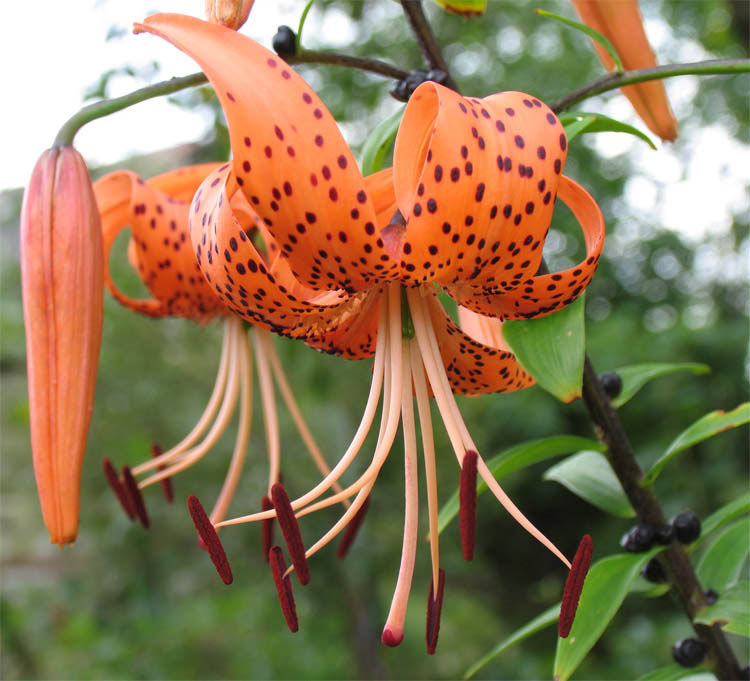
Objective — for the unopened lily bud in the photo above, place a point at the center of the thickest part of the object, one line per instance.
(230, 13)
(62, 283)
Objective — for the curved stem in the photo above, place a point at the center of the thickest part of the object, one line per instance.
(615, 80)
(332, 58)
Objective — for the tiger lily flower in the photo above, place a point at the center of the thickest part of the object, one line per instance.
(161, 252)
(61, 273)
(466, 209)
(620, 21)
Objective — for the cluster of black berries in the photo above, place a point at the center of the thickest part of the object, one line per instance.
(685, 528)
(405, 88)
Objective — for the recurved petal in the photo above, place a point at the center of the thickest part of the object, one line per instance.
(160, 250)
(245, 281)
(290, 160)
(621, 23)
(471, 177)
(540, 295)
(474, 367)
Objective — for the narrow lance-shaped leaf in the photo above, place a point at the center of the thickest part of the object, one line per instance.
(730, 611)
(721, 565)
(589, 476)
(675, 672)
(552, 348)
(378, 142)
(607, 584)
(578, 123)
(702, 429)
(517, 457)
(635, 376)
(734, 509)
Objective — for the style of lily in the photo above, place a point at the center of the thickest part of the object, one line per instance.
(161, 252)
(622, 24)
(465, 209)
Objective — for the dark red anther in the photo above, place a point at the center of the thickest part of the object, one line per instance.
(210, 538)
(266, 527)
(434, 605)
(136, 498)
(467, 508)
(117, 487)
(574, 585)
(166, 483)
(352, 528)
(283, 587)
(290, 529)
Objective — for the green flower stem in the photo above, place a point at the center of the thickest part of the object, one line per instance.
(613, 81)
(109, 106)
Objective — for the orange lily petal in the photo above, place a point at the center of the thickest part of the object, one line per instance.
(473, 367)
(540, 295)
(621, 23)
(160, 249)
(290, 160)
(472, 176)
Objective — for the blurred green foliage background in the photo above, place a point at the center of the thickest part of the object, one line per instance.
(124, 603)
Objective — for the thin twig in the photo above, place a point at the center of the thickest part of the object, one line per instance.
(334, 59)
(613, 81)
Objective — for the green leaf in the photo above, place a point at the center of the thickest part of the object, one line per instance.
(730, 511)
(517, 457)
(547, 618)
(604, 590)
(702, 429)
(577, 123)
(676, 672)
(589, 32)
(731, 610)
(642, 587)
(721, 565)
(378, 143)
(635, 376)
(302, 19)
(552, 348)
(589, 476)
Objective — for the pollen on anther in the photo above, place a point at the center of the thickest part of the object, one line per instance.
(136, 498)
(210, 539)
(117, 487)
(468, 503)
(352, 529)
(283, 587)
(574, 585)
(290, 529)
(434, 606)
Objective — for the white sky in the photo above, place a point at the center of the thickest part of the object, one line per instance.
(52, 53)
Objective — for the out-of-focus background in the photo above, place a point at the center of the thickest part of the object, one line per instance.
(123, 603)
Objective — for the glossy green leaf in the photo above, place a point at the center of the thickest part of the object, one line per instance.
(734, 509)
(676, 672)
(577, 123)
(606, 586)
(731, 611)
(378, 142)
(589, 476)
(702, 429)
(552, 348)
(642, 587)
(721, 565)
(589, 32)
(517, 457)
(547, 618)
(635, 376)
(466, 7)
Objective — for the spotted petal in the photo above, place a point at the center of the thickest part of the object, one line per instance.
(290, 160)
(160, 251)
(471, 177)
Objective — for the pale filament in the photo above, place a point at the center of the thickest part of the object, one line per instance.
(457, 431)
(428, 449)
(270, 417)
(243, 432)
(395, 621)
(209, 412)
(356, 444)
(263, 337)
(222, 420)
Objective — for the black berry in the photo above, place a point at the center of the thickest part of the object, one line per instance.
(638, 539)
(285, 42)
(654, 571)
(687, 527)
(689, 652)
(437, 76)
(612, 383)
(663, 534)
(399, 91)
(711, 596)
